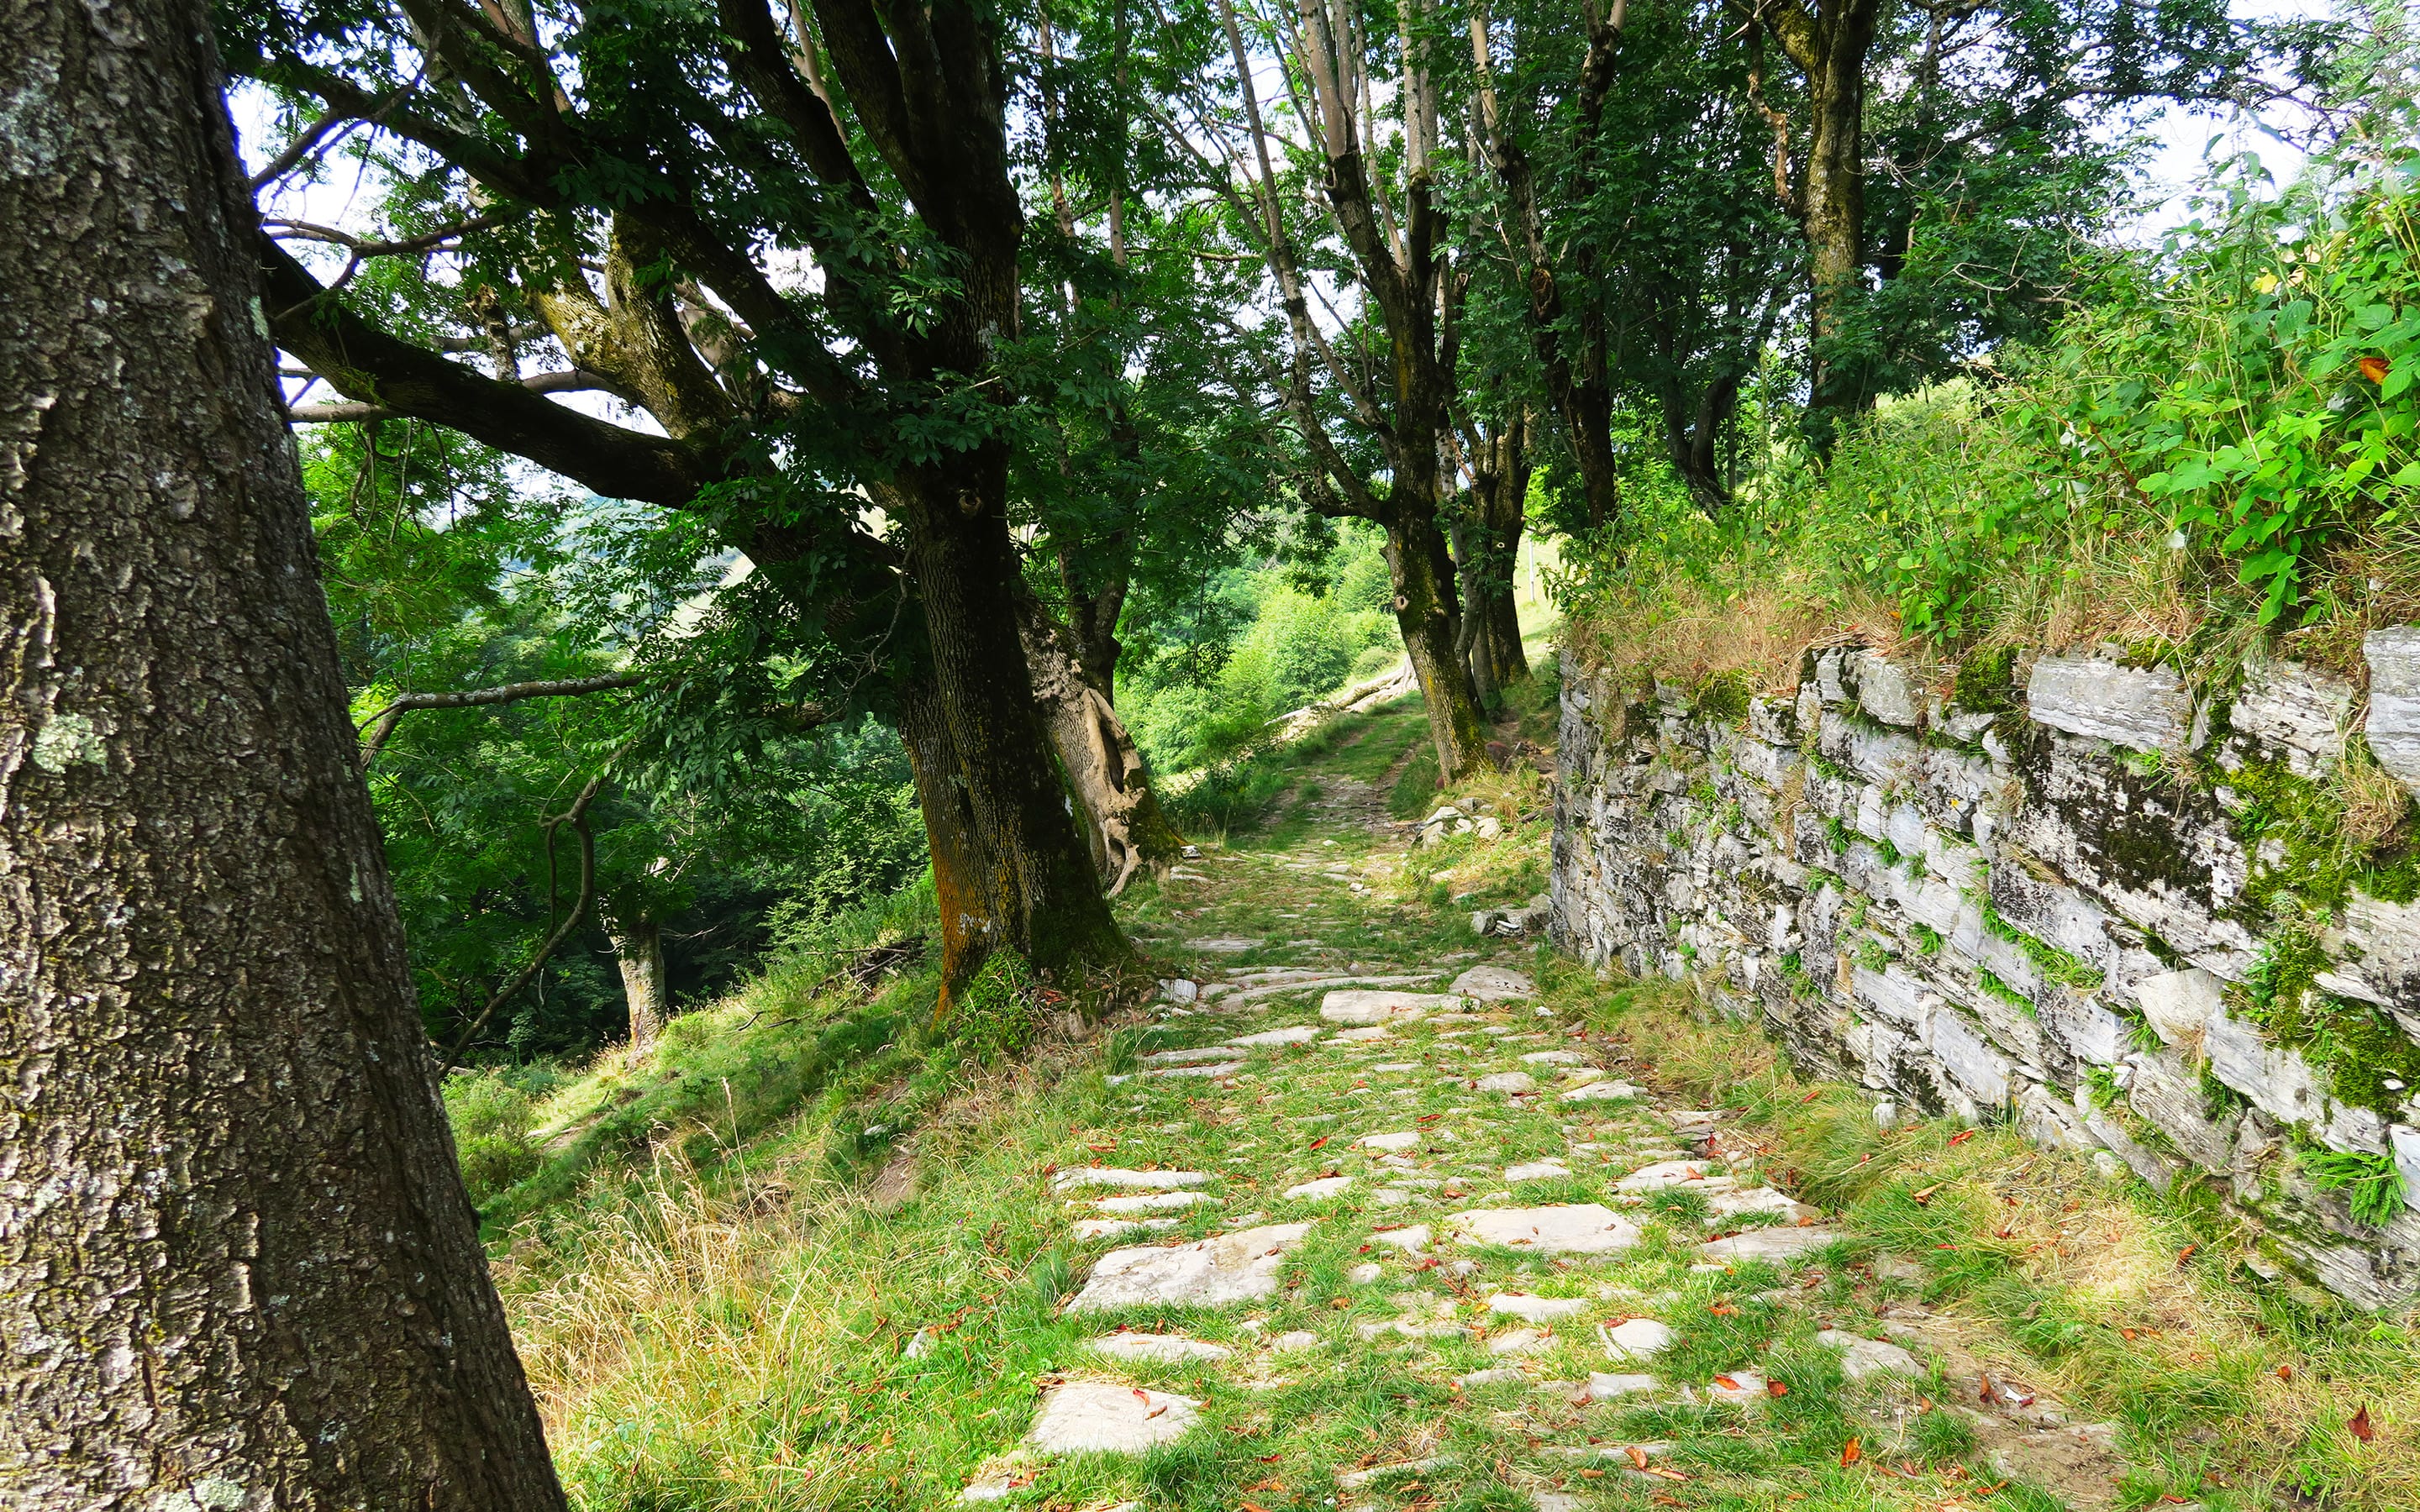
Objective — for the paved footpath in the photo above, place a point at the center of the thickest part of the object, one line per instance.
(1418, 1241)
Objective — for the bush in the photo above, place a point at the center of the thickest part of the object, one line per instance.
(492, 1112)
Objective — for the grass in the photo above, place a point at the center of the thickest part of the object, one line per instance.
(716, 1280)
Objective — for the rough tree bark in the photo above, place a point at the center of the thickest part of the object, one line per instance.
(1129, 831)
(1830, 47)
(237, 1265)
(639, 950)
(1499, 489)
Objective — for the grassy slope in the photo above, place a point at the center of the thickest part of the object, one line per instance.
(716, 1315)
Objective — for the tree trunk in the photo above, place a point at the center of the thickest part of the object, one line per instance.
(639, 950)
(1501, 490)
(1426, 612)
(1831, 51)
(237, 1265)
(966, 880)
(1128, 829)
(964, 566)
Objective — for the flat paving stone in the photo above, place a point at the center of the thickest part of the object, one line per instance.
(1327, 1186)
(1208, 1272)
(1112, 1227)
(1736, 1204)
(1767, 1244)
(1153, 1201)
(1110, 1418)
(1179, 1058)
(1553, 1057)
(1493, 1376)
(1536, 1170)
(1223, 945)
(1411, 1239)
(1861, 1357)
(1375, 1032)
(1635, 1339)
(1083, 1176)
(1510, 1083)
(1493, 984)
(1614, 1387)
(1569, 1229)
(1615, 1092)
(1291, 1034)
(1369, 1007)
(1519, 1341)
(1739, 1387)
(1224, 1068)
(1535, 1309)
(1657, 1177)
(1405, 1139)
(1295, 1341)
(1164, 1347)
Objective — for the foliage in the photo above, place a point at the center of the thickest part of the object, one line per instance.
(2371, 1184)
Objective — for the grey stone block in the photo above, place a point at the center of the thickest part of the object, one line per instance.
(2299, 712)
(2393, 728)
(2147, 708)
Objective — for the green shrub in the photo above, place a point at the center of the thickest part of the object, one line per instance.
(492, 1112)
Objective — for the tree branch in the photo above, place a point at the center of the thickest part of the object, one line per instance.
(578, 381)
(382, 724)
(577, 817)
(369, 366)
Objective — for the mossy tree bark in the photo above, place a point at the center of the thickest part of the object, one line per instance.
(237, 1264)
(1130, 832)
(639, 950)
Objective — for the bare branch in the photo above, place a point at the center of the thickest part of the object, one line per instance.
(578, 381)
(382, 724)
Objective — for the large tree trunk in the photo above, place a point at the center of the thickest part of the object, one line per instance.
(1831, 49)
(639, 950)
(1129, 831)
(1491, 620)
(965, 565)
(966, 880)
(237, 1265)
(1427, 612)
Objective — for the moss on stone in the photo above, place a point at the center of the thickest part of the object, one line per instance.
(2048, 959)
(1986, 680)
(1723, 697)
(2358, 1048)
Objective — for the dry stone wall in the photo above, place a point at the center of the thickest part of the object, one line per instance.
(2093, 901)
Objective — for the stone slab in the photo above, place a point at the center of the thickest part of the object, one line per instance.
(1862, 1357)
(1509, 1083)
(1291, 1034)
(1571, 1229)
(1531, 1309)
(1635, 1339)
(1493, 984)
(1159, 1347)
(1112, 1175)
(1361, 1007)
(2146, 708)
(1153, 1201)
(1327, 1186)
(1603, 1092)
(1109, 1417)
(1112, 1227)
(1767, 1244)
(1209, 1272)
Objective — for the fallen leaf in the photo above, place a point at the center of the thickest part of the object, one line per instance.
(1810, 1097)
(1925, 1197)
(1638, 1456)
(1852, 1451)
(2359, 1424)
(2285, 1372)
(2185, 1254)
(1775, 1388)
(1961, 1136)
(1667, 1475)
(2375, 369)
(1723, 1309)
(1320, 1140)
(1140, 1394)
(1727, 1383)
(1255, 1506)
(1098, 1150)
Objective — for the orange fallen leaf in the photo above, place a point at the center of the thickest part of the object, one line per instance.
(1723, 1309)
(1961, 1136)
(1098, 1150)
(1775, 1388)
(2285, 1372)
(1852, 1451)
(1255, 1506)
(1140, 1394)
(1727, 1383)
(1320, 1140)
(1638, 1456)
(1925, 1197)
(2126, 1333)
(2375, 369)
(2185, 1254)
(2359, 1424)
(1810, 1097)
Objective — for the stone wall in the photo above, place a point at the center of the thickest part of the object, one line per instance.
(2069, 893)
